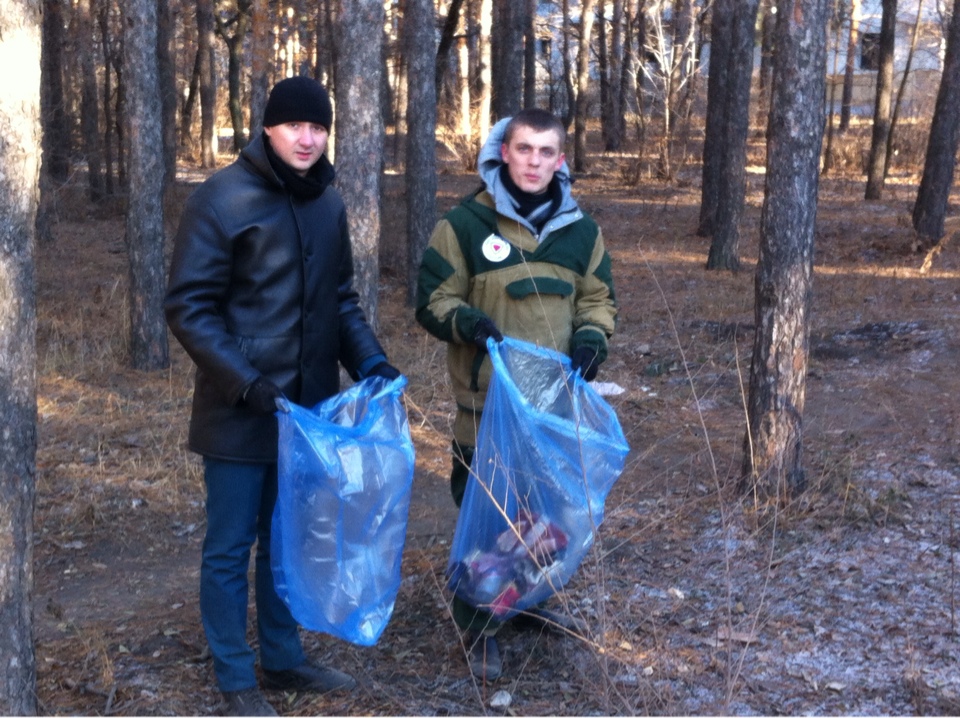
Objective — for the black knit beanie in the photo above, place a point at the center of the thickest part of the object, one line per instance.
(298, 99)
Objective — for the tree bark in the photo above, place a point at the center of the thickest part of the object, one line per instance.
(240, 21)
(20, 30)
(530, 54)
(876, 163)
(772, 467)
(485, 76)
(721, 42)
(421, 170)
(89, 105)
(447, 37)
(208, 84)
(259, 62)
(360, 137)
(144, 227)
(167, 73)
(56, 133)
(587, 13)
(570, 110)
(507, 57)
(725, 247)
(930, 208)
(615, 111)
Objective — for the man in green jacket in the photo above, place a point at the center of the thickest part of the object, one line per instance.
(518, 257)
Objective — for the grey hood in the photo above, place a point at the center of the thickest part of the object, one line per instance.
(489, 162)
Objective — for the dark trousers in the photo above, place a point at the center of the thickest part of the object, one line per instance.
(240, 501)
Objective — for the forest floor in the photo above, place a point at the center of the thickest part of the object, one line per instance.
(843, 603)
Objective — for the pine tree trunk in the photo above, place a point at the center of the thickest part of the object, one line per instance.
(208, 84)
(725, 247)
(587, 12)
(507, 57)
(883, 104)
(145, 235)
(360, 138)
(772, 467)
(421, 170)
(20, 132)
(721, 40)
(259, 62)
(89, 106)
(930, 208)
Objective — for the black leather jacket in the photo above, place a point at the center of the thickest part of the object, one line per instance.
(261, 283)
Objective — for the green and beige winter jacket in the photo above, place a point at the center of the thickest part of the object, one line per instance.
(554, 289)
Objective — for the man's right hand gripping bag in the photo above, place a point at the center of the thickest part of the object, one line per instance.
(549, 449)
(345, 471)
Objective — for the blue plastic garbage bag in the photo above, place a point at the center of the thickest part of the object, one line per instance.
(549, 449)
(345, 473)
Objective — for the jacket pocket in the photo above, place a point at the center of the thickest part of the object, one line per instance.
(527, 286)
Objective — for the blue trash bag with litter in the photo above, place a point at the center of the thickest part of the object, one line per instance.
(345, 471)
(549, 449)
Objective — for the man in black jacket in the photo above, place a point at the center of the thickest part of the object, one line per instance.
(261, 297)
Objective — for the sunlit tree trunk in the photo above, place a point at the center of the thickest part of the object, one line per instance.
(772, 467)
(570, 110)
(19, 164)
(144, 229)
(930, 208)
(240, 24)
(883, 104)
(360, 137)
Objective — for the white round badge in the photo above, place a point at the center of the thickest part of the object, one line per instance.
(495, 248)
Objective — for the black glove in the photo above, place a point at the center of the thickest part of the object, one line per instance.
(585, 360)
(387, 371)
(485, 329)
(262, 396)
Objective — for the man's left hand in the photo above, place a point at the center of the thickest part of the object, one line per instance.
(385, 370)
(585, 361)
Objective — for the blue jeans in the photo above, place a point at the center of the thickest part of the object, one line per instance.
(240, 500)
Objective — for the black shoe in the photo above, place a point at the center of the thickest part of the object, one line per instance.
(248, 702)
(539, 617)
(309, 678)
(483, 657)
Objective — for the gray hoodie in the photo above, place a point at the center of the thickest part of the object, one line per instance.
(489, 162)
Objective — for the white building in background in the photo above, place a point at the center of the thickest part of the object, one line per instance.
(929, 17)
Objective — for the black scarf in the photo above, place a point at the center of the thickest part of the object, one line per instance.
(308, 186)
(537, 209)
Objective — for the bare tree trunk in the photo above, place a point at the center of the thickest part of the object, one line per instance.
(208, 84)
(447, 37)
(465, 125)
(190, 103)
(234, 42)
(853, 44)
(617, 85)
(507, 57)
(89, 108)
(721, 41)
(772, 467)
(259, 61)
(20, 30)
(767, 23)
(725, 247)
(587, 13)
(930, 208)
(145, 236)
(827, 164)
(360, 137)
(421, 170)
(167, 73)
(876, 164)
(530, 54)
(56, 134)
(112, 120)
(571, 109)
